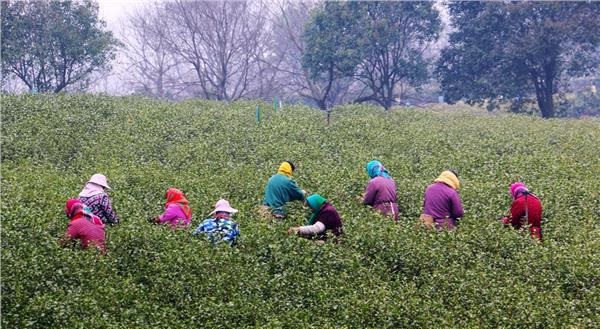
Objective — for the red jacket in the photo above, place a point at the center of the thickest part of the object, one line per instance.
(535, 214)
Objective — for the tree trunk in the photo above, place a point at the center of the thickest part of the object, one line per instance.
(544, 96)
(547, 106)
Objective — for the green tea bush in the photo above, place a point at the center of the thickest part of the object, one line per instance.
(382, 274)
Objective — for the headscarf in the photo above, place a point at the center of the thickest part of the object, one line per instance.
(516, 189)
(91, 189)
(375, 168)
(175, 196)
(285, 169)
(315, 202)
(75, 209)
(449, 178)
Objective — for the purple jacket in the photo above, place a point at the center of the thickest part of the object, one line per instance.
(328, 215)
(441, 201)
(381, 195)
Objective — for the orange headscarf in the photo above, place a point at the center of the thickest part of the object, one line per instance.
(176, 196)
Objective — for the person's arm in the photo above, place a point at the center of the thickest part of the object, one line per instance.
(456, 207)
(296, 193)
(369, 197)
(69, 236)
(518, 210)
(109, 213)
(169, 215)
(317, 228)
(65, 240)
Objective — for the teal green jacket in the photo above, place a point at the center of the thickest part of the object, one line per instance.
(281, 189)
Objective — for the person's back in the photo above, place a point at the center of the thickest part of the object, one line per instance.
(381, 195)
(328, 215)
(441, 201)
(281, 189)
(95, 197)
(87, 233)
(220, 227)
(519, 217)
(442, 205)
(380, 192)
(100, 205)
(324, 217)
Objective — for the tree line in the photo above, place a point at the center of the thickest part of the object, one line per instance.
(324, 53)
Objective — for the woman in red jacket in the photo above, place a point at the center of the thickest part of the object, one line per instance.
(526, 209)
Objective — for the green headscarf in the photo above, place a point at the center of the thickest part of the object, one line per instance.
(315, 202)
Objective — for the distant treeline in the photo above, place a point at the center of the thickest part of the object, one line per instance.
(518, 55)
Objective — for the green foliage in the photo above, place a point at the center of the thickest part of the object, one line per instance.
(379, 43)
(505, 51)
(50, 45)
(579, 104)
(382, 275)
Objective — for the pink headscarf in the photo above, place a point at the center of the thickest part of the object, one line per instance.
(517, 188)
(74, 209)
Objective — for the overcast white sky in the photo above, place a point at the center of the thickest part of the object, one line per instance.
(113, 11)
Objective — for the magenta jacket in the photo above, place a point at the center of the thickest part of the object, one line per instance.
(175, 216)
(442, 201)
(381, 195)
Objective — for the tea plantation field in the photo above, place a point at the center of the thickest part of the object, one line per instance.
(382, 275)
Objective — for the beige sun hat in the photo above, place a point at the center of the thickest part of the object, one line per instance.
(99, 179)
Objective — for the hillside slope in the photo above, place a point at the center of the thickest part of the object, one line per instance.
(382, 275)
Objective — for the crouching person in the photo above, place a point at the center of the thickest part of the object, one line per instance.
(381, 190)
(177, 211)
(442, 207)
(526, 211)
(84, 227)
(324, 218)
(94, 195)
(220, 227)
(279, 190)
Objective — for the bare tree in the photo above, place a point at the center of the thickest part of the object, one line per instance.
(151, 64)
(221, 41)
(289, 19)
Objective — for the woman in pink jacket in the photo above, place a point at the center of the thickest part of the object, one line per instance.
(177, 212)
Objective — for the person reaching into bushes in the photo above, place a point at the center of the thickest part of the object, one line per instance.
(281, 189)
(94, 195)
(220, 227)
(324, 218)
(380, 193)
(177, 211)
(442, 206)
(526, 210)
(83, 226)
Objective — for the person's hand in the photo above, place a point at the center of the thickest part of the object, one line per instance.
(304, 192)
(293, 230)
(360, 198)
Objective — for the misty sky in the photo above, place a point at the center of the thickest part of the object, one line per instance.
(113, 11)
